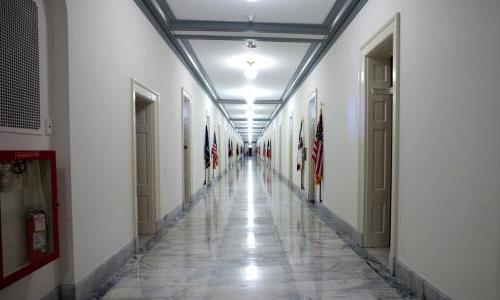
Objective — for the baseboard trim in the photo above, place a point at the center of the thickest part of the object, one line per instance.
(117, 271)
(421, 288)
(55, 294)
(85, 288)
(405, 280)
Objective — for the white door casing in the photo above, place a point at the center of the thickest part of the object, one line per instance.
(143, 94)
(312, 119)
(391, 30)
(186, 147)
(290, 150)
(209, 171)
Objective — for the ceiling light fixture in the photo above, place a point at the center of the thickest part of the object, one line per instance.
(250, 70)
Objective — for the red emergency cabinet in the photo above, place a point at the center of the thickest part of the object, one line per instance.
(29, 236)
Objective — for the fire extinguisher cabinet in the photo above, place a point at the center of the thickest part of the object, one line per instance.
(29, 237)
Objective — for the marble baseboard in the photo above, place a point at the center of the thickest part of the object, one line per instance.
(85, 288)
(166, 223)
(325, 214)
(55, 294)
(421, 288)
(408, 282)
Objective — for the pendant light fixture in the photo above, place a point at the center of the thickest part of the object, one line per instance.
(250, 70)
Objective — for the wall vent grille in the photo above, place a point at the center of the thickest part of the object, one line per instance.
(19, 65)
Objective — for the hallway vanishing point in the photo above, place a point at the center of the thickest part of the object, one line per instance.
(249, 237)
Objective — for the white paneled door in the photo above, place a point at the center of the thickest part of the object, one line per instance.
(145, 173)
(186, 151)
(378, 152)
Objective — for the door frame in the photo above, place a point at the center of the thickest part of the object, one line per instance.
(309, 144)
(391, 28)
(208, 124)
(280, 152)
(153, 97)
(290, 149)
(186, 201)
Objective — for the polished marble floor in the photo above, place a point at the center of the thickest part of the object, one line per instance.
(250, 237)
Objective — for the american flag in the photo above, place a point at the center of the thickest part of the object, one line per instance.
(317, 153)
(215, 153)
(300, 149)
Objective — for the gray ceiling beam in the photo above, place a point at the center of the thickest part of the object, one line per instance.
(344, 11)
(229, 26)
(196, 63)
(341, 15)
(162, 18)
(240, 127)
(237, 101)
(244, 120)
(244, 38)
(302, 65)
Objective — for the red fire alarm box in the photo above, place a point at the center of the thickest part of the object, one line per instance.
(29, 237)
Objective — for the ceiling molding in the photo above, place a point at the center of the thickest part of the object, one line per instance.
(302, 65)
(244, 38)
(230, 26)
(161, 17)
(258, 102)
(196, 63)
(245, 119)
(341, 14)
(177, 33)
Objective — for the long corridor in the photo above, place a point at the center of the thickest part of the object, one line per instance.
(250, 237)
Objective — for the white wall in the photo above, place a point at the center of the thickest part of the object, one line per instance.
(118, 44)
(48, 277)
(449, 203)
(109, 43)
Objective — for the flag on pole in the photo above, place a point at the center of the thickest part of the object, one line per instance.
(207, 149)
(317, 154)
(300, 149)
(215, 153)
(206, 153)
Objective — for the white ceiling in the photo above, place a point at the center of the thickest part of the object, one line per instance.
(239, 110)
(277, 58)
(276, 11)
(223, 62)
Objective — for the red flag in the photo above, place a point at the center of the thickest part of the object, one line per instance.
(215, 153)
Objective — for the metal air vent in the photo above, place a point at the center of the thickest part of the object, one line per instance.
(19, 66)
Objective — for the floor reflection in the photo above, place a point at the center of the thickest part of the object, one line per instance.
(250, 238)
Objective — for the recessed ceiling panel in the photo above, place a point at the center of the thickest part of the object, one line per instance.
(276, 11)
(224, 62)
(239, 111)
